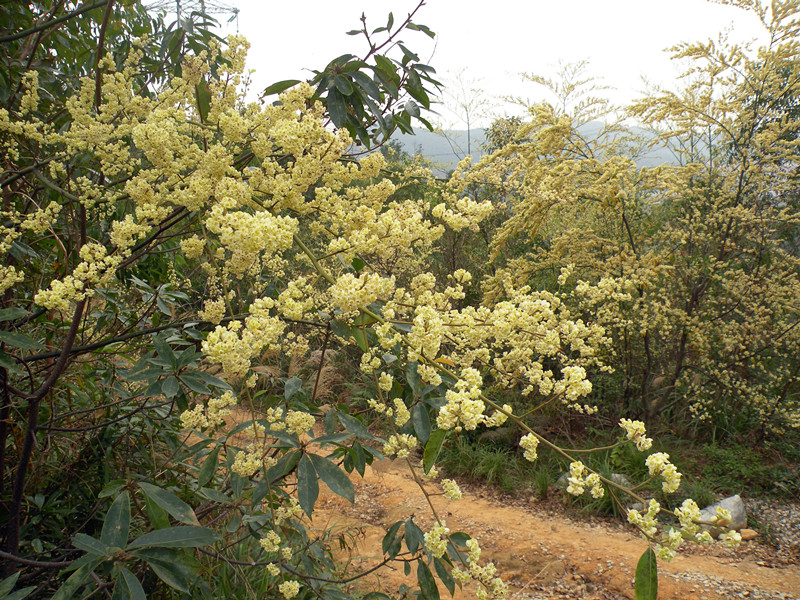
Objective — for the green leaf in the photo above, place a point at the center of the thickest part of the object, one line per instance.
(208, 468)
(412, 108)
(177, 537)
(340, 329)
(17, 340)
(111, 488)
(69, 589)
(354, 426)
(427, 584)
(117, 522)
(418, 93)
(423, 28)
(194, 383)
(8, 584)
(12, 314)
(357, 264)
(459, 538)
(361, 338)
(159, 519)
(171, 503)
(285, 464)
(343, 84)
(170, 387)
(411, 56)
(387, 66)
(414, 536)
(203, 95)
(337, 108)
(388, 83)
(307, 485)
(174, 568)
(7, 361)
(20, 594)
(338, 482)
(335, 438)
(163, 349)
(293, 385)
(213, 381)
(330, 422)
(359, 458)
(646, 587)
(432, 449)
(391, 541)
(280, 86)
(412, 377)
(367, 84)
(422, 422)
(214, 495)
(127, 587)
(89, 544)
(444, 575)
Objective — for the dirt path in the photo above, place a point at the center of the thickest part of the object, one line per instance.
(544, 556)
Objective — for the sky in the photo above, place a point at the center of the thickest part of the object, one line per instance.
(492, 42)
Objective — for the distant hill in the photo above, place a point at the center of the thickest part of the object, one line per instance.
(445, 149)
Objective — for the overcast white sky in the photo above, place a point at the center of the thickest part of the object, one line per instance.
(494, 41)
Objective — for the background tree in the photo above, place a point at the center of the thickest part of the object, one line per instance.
(696, 260)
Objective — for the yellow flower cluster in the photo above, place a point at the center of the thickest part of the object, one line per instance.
(247, 236)
(96, 268)
(635, 430)
(529, 443)
(580, 478)
(436, 540)
(400, 445)
(658, 464)
(401, 413)
(213, 311)
(289, 589)
(40, 220)
(351, 293)
(271, 542)
(213, 416)
(9, 276)
(492, 587)
(468, 213)
(451, 490)
(234, 346)
(298, 422)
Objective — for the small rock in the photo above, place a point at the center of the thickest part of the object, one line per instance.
(748, 534)
(621, 479)
(738, 515)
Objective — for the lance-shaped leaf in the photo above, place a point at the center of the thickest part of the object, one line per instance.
(334, 478)
(177, 537)
(307, 485)
(127, 587)
(117, 522)
(176, 507)
(647, 577)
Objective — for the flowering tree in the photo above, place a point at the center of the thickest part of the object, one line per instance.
(163, 243)
(690, 268)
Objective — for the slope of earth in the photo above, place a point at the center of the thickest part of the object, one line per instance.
(541, 554)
